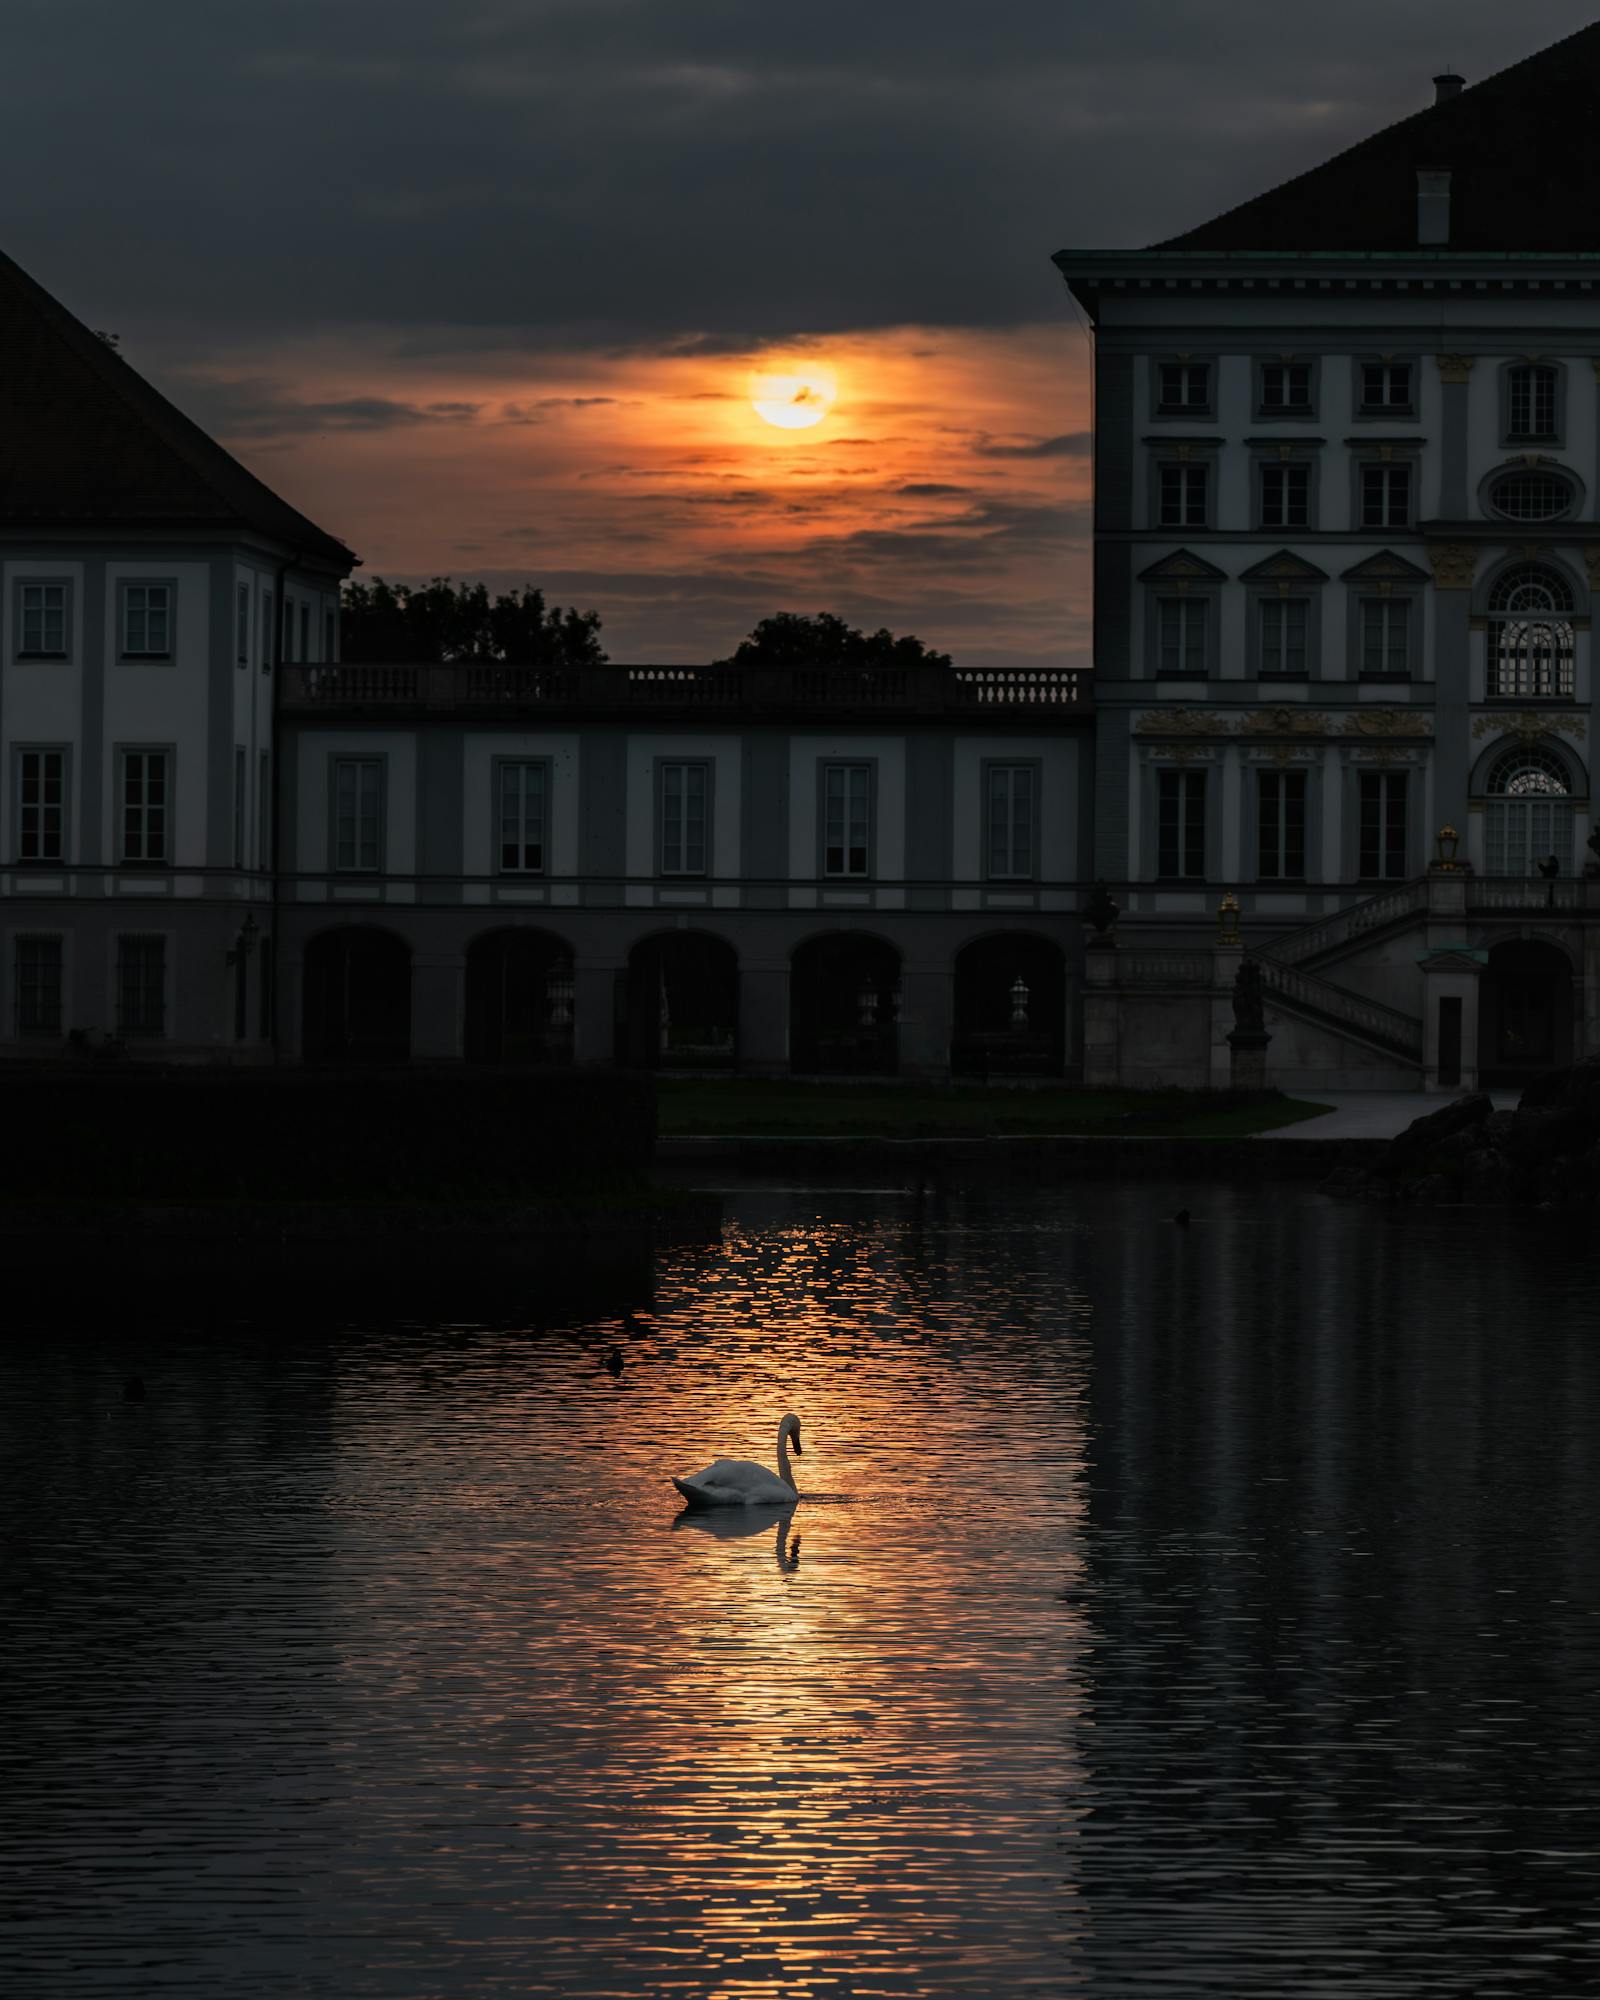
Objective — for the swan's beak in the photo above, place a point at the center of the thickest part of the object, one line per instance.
(797, 1451)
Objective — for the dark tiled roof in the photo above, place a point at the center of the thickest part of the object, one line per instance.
(1523, 149)
(87, 443)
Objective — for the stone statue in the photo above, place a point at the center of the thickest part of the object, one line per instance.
(1102, 912)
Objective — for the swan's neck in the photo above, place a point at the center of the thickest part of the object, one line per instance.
(783, 1459)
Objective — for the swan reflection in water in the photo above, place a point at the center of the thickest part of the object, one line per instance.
(730, 1524)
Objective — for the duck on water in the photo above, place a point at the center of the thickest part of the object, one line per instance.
(740, 1482)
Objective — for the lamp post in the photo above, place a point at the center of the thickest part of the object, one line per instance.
(867, 1004)
(1446, 841)
(1019, 1003)
(1228, 919)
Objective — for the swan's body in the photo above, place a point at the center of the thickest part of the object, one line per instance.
(740, 1482)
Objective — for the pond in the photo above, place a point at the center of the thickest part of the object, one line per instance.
(1169, 1611)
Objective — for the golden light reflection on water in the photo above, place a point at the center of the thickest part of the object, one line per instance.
(835, 1753)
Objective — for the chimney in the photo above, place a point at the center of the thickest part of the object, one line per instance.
(1433, 206)
(1447, 86)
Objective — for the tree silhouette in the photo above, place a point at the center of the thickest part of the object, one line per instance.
(392, 623)
(793, 639)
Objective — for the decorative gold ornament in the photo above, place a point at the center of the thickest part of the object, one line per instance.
(1453, 564)
(1456, 369)
(1528, 724)
(1283, 722)
(1390, 722)
(1181, 722)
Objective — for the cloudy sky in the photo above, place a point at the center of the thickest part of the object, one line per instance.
(482, 284)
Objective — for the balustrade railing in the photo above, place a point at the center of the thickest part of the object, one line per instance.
(918, 691)
(1164, 968)
(1515, 892)
(1385, 1025)
(1389, 906)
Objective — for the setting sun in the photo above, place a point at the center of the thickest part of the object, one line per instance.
(793, 399)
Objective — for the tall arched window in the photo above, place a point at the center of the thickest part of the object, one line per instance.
(1528, 816)
(1530, 635)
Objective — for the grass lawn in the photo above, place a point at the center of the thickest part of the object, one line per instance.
(756, 1107)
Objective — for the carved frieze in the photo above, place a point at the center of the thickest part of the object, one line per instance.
(1182, 722)
(1283, 722)
(1529, 724)
(1391, 722)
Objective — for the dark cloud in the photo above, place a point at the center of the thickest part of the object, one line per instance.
(699, 174)
(1071, 444)
(930, 490)
(256, 409)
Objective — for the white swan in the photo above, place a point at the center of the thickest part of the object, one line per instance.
(740, 1482)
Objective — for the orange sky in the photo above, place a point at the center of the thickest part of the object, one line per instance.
(945, 492)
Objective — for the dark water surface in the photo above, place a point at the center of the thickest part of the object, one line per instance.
(1167, 1613)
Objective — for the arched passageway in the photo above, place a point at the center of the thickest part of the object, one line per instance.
(1524, 1012)
(681, 1003)
(356, 997)
(844, 1006)
(520, 993)
(1010, 1007)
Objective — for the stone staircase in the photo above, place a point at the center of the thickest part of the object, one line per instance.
(1286, 961)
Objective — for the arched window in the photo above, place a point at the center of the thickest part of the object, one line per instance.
(1531, 403)
(1528, 817)
(1530, 635)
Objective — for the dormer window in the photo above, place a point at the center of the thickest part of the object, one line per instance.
(1184, 389)
(1532, 403)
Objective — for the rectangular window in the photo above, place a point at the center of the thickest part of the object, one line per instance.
(1385, 388)
(1012, 822)
(1286, 388)
(41, 805)
(38, 994)
(1385, 636)
(358, 815)
(327, 635)
(1182, 623)
(239, 781)
(847, 820)
(1185, 387)
(684, 790)
(42, 621)
(1532, 403)
(147, 621)
(523, 817)
(1385, 496)
(1285, 496)
(1183, 496)
(1383, 826)
(305, 630)
(268, 633)
(264, 810)
(141, 985)
(1181, 827)
(1281, 826)
(146, 781)
(241, 625)
(1283, 634)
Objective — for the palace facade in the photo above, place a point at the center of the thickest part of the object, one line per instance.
(1347, 540)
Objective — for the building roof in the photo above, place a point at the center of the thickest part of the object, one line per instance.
(87, 443)
(1523, 150)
